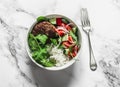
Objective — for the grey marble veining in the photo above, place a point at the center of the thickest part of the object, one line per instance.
(17, 70)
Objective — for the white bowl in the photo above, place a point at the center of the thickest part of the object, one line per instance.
(60, 67)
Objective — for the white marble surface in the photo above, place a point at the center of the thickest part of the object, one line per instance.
(17, 70)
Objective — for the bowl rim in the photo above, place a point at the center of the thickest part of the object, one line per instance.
(69, 63)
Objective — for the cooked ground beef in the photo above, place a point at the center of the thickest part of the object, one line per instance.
(44, 28)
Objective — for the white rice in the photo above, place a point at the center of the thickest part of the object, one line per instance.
(58, 55)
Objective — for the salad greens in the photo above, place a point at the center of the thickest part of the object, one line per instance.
(54, 41)
(73, 35)
(39, 52)
(42, 18)
(41, 38)
(65, 20)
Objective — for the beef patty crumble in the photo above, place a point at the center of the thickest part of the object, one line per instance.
(44, 28)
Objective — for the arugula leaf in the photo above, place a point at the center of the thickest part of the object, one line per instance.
(33, 43)
(42, 18)
(40, 53)
(54, 41)
(46, 63)
(48, 47)
(73, 35)
(64, 20)
(41, 38)
(52, 60)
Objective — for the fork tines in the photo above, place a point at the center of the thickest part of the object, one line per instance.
(84, 17)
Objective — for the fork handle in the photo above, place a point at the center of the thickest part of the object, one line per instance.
(93, 64)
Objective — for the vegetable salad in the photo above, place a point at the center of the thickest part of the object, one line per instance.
(65, 38)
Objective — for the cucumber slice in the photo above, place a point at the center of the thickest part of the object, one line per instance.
(75, 29)
(65, 37)
(53, 21)
(66, 51)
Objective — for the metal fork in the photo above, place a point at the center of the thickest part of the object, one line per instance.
(87, 29)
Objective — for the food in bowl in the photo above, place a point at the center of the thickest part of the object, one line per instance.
(53, 41)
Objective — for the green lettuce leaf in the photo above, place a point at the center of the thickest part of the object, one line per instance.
(41, 38)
